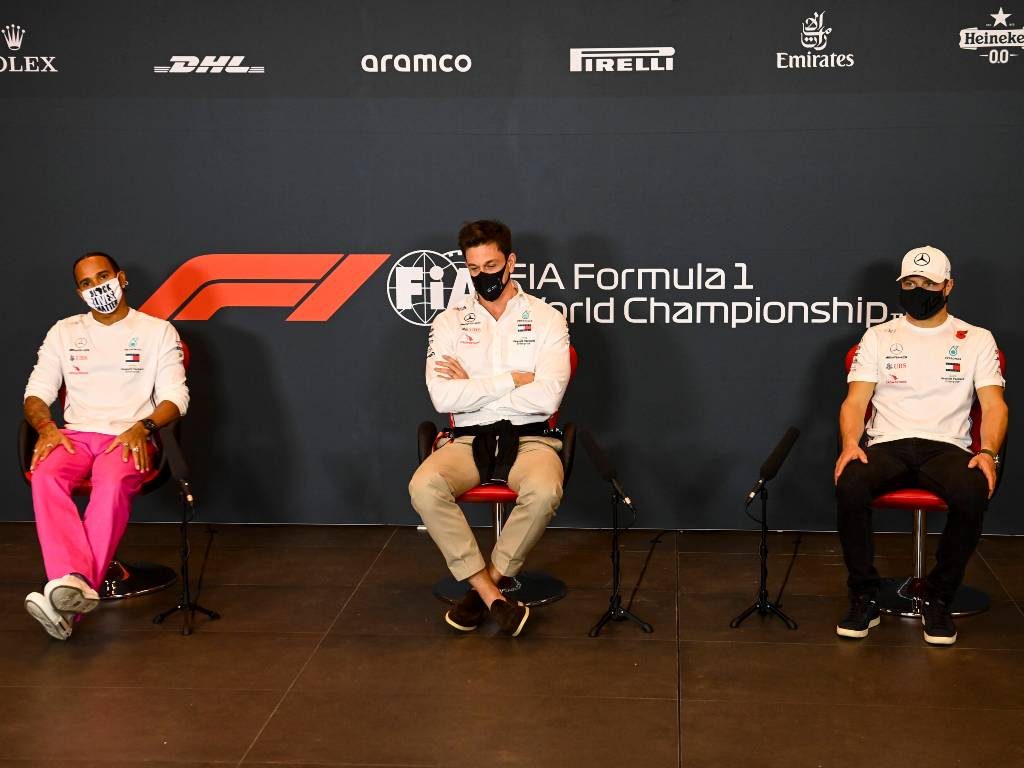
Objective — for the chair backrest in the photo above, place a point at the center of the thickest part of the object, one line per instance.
(975, 406)
(553, 421)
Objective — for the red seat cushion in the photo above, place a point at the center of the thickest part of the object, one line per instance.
(489, 494)
(910, 498)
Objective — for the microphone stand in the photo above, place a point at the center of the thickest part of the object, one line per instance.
(616, 612)
(762, 604)
(187, 605)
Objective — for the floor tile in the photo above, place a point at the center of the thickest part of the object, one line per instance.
(542, 731)
(826, 674)
(153, 659)
(535, 666)
(802, 734)
(707, 617)
(134, 725)
(396, 611)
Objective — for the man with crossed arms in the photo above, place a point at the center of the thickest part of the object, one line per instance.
(499, 362)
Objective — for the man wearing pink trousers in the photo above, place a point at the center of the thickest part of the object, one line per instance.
(124, 378)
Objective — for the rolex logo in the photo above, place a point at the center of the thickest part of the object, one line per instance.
(13, 35)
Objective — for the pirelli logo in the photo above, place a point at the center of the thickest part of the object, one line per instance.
(640, 59)
(314, 285)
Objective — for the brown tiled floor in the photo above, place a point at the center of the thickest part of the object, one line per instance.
(331, 651)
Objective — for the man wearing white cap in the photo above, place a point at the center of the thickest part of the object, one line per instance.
(920, 373)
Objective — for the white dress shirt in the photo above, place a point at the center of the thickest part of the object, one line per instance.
(530, 336)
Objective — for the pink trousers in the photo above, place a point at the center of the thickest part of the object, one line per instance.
(85, 545)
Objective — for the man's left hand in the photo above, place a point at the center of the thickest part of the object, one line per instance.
(133, 445)
(450, 368)
(987, 465)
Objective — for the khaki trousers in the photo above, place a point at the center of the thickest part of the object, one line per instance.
(449, 471)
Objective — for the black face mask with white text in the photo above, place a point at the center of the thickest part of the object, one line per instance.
(921, 304)
(490, 284)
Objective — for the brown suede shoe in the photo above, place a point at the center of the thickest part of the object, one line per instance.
(467, 614)
(510, 616)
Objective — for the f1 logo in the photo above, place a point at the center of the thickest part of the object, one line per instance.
(315, 284)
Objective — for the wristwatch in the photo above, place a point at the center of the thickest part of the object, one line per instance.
(993, 454)
(151, 426)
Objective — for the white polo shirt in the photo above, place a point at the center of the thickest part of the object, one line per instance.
(529, 336)
(925, 378)
(114, 374)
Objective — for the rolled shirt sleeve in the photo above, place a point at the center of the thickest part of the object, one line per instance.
(47, 376)
(865, 359)
(170, 382)
(987, 371)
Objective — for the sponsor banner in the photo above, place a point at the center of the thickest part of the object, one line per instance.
(422, 284)
(814, 37)
(997, 42)
(640, 59)
(14, 37)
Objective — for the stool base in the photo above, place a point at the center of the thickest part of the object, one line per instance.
(534, 588)
(132, 579)
(905, 597)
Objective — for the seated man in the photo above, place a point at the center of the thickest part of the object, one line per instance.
(124, 378)
(920, 374)
(500, 363)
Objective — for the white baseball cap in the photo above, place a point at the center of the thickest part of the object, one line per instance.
(926, 261)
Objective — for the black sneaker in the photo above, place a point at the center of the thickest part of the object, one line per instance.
(939, 628)
(467, 614)
(510, 616)
(862, 616)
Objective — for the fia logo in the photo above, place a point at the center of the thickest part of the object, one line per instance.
(422, 284)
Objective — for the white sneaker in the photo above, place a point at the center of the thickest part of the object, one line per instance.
(55, 624)
(70, 594)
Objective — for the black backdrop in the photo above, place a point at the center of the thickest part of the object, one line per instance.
(817, 180)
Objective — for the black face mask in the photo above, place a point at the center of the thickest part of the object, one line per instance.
(490, 284)
(921, 304)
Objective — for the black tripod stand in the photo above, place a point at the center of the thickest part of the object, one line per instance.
(615, 610)
(763, 605)
(186, 604)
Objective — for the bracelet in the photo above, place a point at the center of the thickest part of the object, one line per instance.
(993, 454)
(39, 427)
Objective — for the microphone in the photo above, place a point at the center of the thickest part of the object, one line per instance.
(771, 465)
(176, 463)
(605, 468)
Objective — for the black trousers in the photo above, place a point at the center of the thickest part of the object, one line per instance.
(913, 463)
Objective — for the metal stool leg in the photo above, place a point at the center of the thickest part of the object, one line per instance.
(905, 597)
(531, 588)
